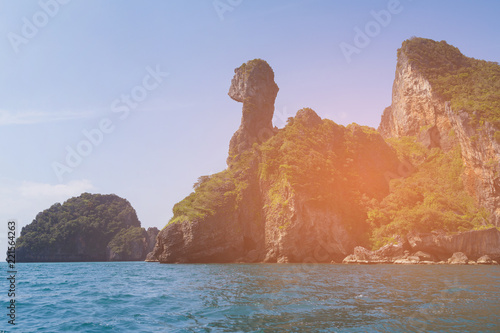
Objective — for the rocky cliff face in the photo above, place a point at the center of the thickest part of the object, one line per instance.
(134, 249)
(428, 248)
(417, 110)
(294, 197)
(481, 156)
(253, 85)
(474, 244)
(314, 191)
(306, 233)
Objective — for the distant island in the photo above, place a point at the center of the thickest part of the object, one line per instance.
(423, 188)
(91, 227)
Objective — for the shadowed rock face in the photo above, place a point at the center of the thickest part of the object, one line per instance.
(430, 247)
(151, 238)
(137, 249)
(253, 85)
(474, 243)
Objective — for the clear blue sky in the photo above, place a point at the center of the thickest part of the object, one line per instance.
(70, 73)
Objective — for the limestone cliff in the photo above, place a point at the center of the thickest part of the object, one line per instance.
(297, 194)
(436, 97)
(474, 244)
(314, 190)
(132, 244)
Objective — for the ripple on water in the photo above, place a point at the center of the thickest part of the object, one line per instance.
(142, 297)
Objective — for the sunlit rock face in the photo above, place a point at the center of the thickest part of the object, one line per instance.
(481, 156)
(416, 110)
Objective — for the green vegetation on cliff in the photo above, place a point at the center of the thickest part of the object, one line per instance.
(211, 192)
(469, 84)
(123, 243)
(323, 163)
(433, 197)
(313, 190)
(377, 190)
(316, 160)
(82, 227)
(331, 167)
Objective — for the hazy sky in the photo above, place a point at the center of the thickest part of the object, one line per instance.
(89, 77)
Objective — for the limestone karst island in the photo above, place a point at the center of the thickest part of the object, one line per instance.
(422, 188)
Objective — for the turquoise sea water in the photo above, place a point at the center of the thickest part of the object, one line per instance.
(150, 297)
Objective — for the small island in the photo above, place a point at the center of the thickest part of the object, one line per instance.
(90, 227)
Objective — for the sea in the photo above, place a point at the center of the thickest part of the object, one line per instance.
(153, 297)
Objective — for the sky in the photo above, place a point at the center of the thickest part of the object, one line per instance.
(130, 97)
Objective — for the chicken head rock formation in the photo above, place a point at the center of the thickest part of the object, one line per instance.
(314, 191)
(288, 195)
(253, 85)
